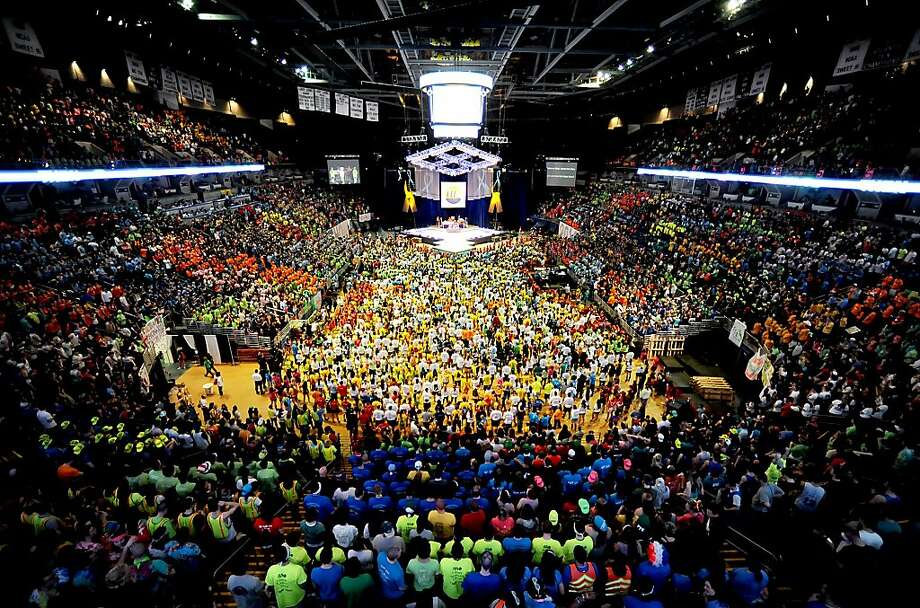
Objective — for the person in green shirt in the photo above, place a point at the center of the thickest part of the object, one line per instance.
(466, 542)
(545, 543)
(354, 583)
(423, 569)
(267, 475)
(453, 570)
(288, 580)
(488, 543)
(580, 540)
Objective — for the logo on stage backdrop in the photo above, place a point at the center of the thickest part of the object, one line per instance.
(453, 195)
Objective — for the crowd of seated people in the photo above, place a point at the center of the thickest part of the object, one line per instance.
(853, 133)
(240, 268)
(49, 125)
(486, 469)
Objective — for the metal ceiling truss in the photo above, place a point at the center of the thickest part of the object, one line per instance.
(453, 158)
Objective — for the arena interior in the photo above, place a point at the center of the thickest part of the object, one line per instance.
(459, 303)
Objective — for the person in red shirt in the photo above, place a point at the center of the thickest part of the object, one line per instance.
(473, 522)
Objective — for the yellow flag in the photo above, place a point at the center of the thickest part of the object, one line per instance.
(495, 204)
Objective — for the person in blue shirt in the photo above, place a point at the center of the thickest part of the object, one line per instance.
(392, 576)
(326, 577)
(749, 583)
(642, 595)
(322, 504)
(571, 483)
(517, 542)
(380, 501)
(483, 587)
(656, 568)
(602, 465)
(516, 574)
(357, 507)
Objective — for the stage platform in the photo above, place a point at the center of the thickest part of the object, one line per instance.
(454, 241)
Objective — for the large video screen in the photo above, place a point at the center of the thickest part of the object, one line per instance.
(344, 170)
(453, 195)
(561, 172)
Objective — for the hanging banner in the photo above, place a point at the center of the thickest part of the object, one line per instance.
(208, 89)
(715, 90)
(759, 82)
(852, 57)
(913, 49)
(566, 231)
(736, 335)
(306, 99)
(356, 105)
(755, 365)
(341, 104)
(372, 111)
(22, 38)
(136, 71)
(197, 89)
(170, 84)
(766, 374)
(728, 89)
(322, 101)
(185, 85)
(690, 104)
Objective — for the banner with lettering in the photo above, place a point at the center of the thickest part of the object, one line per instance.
(759, 82)
(323, 103)
(372, 110)
(715, 90)
(728, 88)
(852, 56)
(185, 85)
(170, 84)
(208, 89)
(136, 70)
(341, 104)
(306, 99)
(197, 89)
(22, 37)
(356, 105)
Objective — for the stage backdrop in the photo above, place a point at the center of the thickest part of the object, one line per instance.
(429, 210)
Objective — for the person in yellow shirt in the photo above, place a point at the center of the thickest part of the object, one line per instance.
(442, 522)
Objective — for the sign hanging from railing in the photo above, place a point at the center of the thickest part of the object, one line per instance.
(736, 335)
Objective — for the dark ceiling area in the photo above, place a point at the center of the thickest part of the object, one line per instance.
(553, 62)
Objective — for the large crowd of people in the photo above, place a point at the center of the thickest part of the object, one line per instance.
(508, 447)
(840, 132)
(50, 125)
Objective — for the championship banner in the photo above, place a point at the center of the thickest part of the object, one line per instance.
(566, 231)
(913, 49)
(728, 89)
(22, 38)
(357, 107)
(322, 101)
(372, 110)
(170, 84)
(136, 71)
(208, 89)
(197, 89)
(185, 85)
(690, 104)
(306, 99)
(341, 104)
(759, 82)
(852, 57)
(715, 90)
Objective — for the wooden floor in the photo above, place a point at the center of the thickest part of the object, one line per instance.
(239, 390)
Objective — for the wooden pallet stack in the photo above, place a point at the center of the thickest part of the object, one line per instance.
(712, 388)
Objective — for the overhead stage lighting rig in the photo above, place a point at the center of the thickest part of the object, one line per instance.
(453, 158)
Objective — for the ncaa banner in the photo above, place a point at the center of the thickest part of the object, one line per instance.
(715, 90)
(690, 103)
(22, 38)
(170, 84)
(306, 99)
(341, 104)
(322, 101)
(372, 111)
(728, 88)
(852, 57)
(197, 89)
(208, 90)
(185, 85)
(357, 107)
(759, 82)
(913, 49)
(136, 71)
